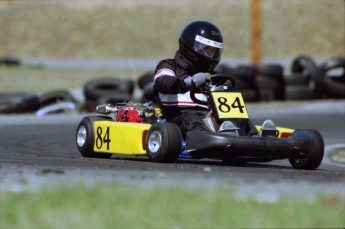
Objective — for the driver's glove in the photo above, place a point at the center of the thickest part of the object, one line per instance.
(201, 78)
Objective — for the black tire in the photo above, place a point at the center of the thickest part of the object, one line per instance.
(316, 151)
(305, 65)
(242, 83)
(246, 72)
(270, 82)
(296, 79)
(145, 79)
(273, 70)
(245, 82)
(163, 143)
(113, 99)
(335, 87)
(10, 61)
(102, 87)
(250, 95)
(56, 97)
(334, 63)
(86, 126)
(90, 105)
(270, 88)
(298, 92)
(148, 93)
(18, 102)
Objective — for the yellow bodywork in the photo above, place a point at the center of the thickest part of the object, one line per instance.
(129, 138)
(120, 137)
(283, 132)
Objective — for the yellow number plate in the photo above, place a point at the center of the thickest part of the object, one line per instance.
(230, 105)
(120, 137)
(103, 138)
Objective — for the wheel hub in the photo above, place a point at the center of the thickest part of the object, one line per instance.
(155, 141)
(81, 136)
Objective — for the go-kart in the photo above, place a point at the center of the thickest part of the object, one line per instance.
(140, 129)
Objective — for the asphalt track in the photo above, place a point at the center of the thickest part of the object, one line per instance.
(38, 152)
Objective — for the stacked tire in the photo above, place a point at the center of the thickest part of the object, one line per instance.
(306, 80)
(145, 84)
(333, 71)
(258, 82)
(107, 90)
(18, 102)
(244, 76)
(26, 102)
(270, 82)
(10, 61)
(57, 101)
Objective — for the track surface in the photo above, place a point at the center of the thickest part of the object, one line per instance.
(37, 152)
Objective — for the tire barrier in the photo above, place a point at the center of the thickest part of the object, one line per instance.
(148, 94)
(265, 82)
(57, 96)
(18, 102)
(145, 79)
(10, 61)
(145, 84)
(271, 82)
(304, 65)
(334, 73)
(245, 80)
(97, 88)
(59, 101)
(106, 90)
(306, 80)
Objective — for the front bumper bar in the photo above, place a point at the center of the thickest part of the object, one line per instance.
(209, 144)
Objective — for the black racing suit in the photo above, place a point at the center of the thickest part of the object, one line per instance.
(173, 94)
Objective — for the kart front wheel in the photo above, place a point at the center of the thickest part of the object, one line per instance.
(316, 150)
(164, 142)
(85, 137)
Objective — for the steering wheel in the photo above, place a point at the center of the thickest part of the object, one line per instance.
(216, 79)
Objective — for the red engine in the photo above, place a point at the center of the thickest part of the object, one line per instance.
(128, 115)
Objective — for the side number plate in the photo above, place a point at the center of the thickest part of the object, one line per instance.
(230, 105)
(102, 138)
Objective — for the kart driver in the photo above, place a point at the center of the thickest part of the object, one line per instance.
(200, 49)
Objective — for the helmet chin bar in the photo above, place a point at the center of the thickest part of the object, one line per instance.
(203, 63)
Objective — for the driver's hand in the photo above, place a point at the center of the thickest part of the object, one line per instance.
(201, 78)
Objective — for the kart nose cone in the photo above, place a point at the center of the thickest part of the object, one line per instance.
(155, 141)
(81, 136)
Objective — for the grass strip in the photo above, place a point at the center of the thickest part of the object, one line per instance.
(115, 206)
(48, 79)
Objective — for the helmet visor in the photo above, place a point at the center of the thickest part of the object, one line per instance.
(209, 48)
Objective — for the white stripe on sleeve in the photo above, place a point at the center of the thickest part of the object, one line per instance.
(164, 72)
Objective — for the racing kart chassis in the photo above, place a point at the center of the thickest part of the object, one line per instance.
(141, 129)
(301, 144)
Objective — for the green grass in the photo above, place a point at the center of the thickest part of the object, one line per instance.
(48, 79)
(150, 28)
(117, 206)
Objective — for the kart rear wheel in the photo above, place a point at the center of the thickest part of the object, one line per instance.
(314, 159)
(85, 137)
(164, 143)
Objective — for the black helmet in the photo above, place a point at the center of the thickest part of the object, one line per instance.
(201, 42)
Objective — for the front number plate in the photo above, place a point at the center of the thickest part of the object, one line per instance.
(230, 105)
